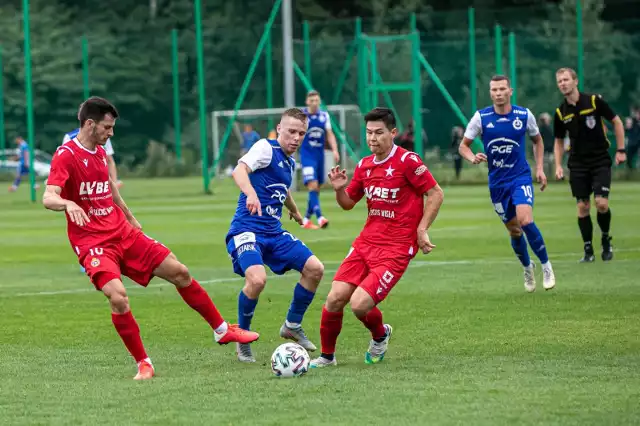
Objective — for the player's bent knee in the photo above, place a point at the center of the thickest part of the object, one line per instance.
(336, 301)
(602, 204)
(182, 276)
(117, 295)
(313, 185)
(313, 269)
(255, 280)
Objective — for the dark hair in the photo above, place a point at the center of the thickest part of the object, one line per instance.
(312, 92)
(501, 77)
(382, 114)
(95, 108)
(296, 113)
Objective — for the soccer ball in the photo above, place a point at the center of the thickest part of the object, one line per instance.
(290, 360)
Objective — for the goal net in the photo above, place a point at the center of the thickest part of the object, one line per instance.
(346, 121)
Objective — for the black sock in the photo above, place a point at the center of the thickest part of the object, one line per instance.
(604, 222)
(586, 229)
(328, 357)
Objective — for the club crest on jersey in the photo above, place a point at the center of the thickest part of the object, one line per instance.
(420, 170)
(517, 124)
(95, 262)
(591, 122)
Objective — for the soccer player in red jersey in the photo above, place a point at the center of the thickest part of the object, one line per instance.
(108, 239)
(395, 182)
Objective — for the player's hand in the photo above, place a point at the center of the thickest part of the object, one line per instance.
(479, 158)
(253, 205)
(424, 242)
(296, 216)
(76, 214)
(542, 179)
(336, 157)
(134, 222)
(559, 173)
(338, 178)
(621, 157)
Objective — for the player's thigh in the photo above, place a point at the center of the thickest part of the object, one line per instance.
(101, 264)
(142, 257)
(353, 268)
(309, 171)
(339, 295)
(245, 251)
(383, 277)
(174, 271)
(502, 205)
(285, 252)
(581, 183)
(522, 198)
(601, 182)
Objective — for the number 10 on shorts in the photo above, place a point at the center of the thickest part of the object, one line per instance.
(527, 190)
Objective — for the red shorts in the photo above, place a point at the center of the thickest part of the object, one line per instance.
(135, 256)
(373, 269)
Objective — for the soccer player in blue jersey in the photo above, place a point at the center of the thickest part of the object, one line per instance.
(503, 128)
(23, 163)
(312, 157)
(256, 237)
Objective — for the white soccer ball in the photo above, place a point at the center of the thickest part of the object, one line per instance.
(290, 360)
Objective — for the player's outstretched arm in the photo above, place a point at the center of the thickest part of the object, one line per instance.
(435, 197)
(53, 201)
(119, 201)
(294, 212)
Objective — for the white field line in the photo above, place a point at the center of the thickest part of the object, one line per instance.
(414, 264)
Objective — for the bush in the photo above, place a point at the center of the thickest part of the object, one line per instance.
(161, 162)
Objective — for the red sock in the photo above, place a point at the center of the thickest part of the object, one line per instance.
(330, 327)
(199, 300)
(373, 321)
(129, 332)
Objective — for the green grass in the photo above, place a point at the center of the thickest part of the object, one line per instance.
(469, 346)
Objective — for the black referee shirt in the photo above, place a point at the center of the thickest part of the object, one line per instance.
(587, 132)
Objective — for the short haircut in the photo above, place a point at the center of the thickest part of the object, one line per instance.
(95, 108)
(312, 92)
(571, 71)
(500, 77)
(296, 113)
(382, 114)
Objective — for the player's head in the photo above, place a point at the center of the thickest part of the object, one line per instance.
(567, 81)
(545, 118)
(381, 130)
(291, 129)
(500, 90)
(313, 101)
(97, 118)
(248, 127)
(19, 140)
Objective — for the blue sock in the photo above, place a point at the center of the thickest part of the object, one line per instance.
(536, 241)
(316, 208)
(519, 245)
(17, 181)
(246, 307)
(311, 203)
(302, 298)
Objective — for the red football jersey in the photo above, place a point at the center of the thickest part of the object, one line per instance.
(394, 188)
(83, 176)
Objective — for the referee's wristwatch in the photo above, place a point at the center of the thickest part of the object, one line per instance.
(622, 151)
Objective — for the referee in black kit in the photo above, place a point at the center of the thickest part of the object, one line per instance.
(581, 115)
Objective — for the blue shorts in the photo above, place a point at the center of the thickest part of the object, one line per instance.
(281, 253)
(506, 198)
(312, 168)
(23, 169)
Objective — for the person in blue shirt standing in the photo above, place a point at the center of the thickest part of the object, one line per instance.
(256, 237)
(249, 137)
(23, 163)
(503, 128)
(312, 157)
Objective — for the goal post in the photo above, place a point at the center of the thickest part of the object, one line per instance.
(346, 122)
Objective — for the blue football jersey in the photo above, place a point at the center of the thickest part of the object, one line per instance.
(272, 173)
(316, 136)
(23, 149)
(504, 140)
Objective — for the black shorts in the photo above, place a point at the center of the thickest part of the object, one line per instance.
(590, 180)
